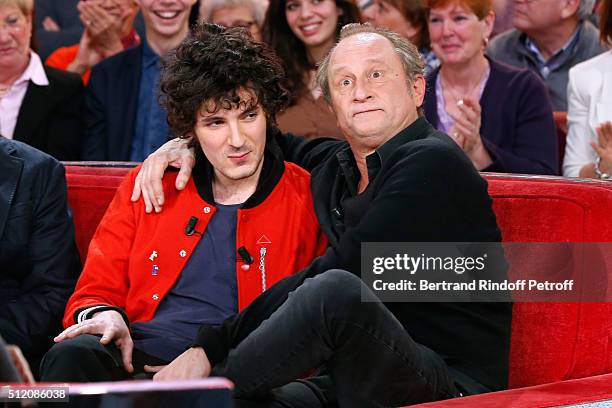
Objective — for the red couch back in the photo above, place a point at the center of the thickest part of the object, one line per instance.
(550, 341)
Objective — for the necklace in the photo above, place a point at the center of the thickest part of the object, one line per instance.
(471, 90)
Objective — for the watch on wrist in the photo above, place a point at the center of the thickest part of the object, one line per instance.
(600, 174)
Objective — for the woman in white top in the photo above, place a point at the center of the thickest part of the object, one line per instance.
(588, 152)
(40, 106)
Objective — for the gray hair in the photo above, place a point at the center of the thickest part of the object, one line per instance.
(585, 9)
(408, 53)
(208, 8)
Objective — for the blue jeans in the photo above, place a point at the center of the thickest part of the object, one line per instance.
(369, 357)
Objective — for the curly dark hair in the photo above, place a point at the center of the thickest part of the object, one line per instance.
(292, 51)
(212, 66)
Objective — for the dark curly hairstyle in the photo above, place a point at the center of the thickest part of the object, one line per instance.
(212, 66)
(292, 51)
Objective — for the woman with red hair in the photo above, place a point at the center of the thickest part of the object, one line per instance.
(500, 116)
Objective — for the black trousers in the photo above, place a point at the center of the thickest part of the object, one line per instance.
(85, 359)
(370, 359)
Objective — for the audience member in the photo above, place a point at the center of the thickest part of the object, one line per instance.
(122, 112)
(163, 280)
(549, 38)
(408, 18)
(500, 115)
(588, 152)
(108, 31)
(396, 180)
(248, 14)
(302, 32)
(39, 259)
(57, 25)
(39, 105)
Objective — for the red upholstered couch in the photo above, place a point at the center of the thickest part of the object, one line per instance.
(551, 344)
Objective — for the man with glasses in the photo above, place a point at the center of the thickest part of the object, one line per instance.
(248, 14)
(549, 37)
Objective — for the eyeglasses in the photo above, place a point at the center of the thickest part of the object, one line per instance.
(241, 24)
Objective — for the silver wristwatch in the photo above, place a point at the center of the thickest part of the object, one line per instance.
(600, 174)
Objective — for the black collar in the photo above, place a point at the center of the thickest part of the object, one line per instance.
(375, 161)
(271, 173)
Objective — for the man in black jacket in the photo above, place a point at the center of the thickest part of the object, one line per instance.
(397, 180)
(39, 262)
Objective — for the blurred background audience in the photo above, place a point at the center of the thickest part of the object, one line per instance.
(302, 32)
(108, 31)
(499, 115)
(549, 38)
(39, 105)
(248, 14)
(588, 152)
(56, 25)
(407, 18)
(125, 121)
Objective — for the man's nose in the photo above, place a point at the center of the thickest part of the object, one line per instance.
(361, 91)
(236, 137)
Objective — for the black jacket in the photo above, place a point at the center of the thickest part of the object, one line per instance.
(111, 105)
(50, 116)
(39, 262)
(422, 188)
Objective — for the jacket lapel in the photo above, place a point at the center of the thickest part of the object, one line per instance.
(10, 173)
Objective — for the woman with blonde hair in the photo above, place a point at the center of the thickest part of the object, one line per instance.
(39, 105)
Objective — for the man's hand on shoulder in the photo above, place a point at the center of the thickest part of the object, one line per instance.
(148, 183)
(192, 364)
(111, 326)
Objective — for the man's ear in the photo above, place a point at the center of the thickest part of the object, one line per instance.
(570, 8)
(418, 90)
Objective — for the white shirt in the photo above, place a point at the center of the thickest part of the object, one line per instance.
(589, 92)
(11, 102)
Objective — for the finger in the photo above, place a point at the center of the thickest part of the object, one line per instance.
(469, 113)
(88, 327)
(472, 104)
(126, 348)
(598, 150)
(153, 369)
(184, 173)
(108, 334)
(146, 190)
(136, 191)
(466, 131)
(156, 192)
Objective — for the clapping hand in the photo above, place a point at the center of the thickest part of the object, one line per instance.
(603, 147)
(466, 132)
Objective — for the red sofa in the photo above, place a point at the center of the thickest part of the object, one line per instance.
(551, 343)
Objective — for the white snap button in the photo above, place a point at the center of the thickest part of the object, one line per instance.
(206, 210)
(155, 296)
(183, 253)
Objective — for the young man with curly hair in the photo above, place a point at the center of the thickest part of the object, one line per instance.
(245, 221)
